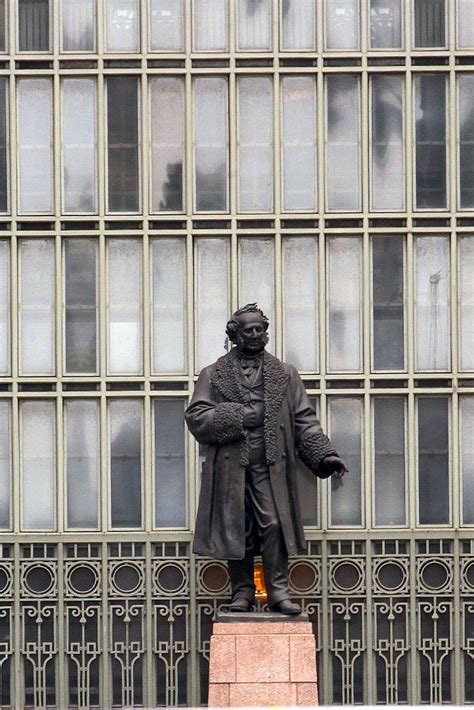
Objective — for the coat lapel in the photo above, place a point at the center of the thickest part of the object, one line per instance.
(226, 378)
(275, 383)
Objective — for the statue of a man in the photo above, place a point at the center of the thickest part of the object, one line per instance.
(253, 413)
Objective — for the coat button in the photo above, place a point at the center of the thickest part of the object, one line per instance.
(226, 456)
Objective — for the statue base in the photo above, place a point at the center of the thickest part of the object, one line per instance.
(261, 659)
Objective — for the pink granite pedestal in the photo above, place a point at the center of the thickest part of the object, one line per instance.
(266, 659)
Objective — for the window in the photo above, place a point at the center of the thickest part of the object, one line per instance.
(466, 140)
(388, 303)
(33, 25)
(3, 38)
(122, 25)
(5, 463)
(385, 24)
(430, 21)
(430, 132)
(80, 292)
(342, 24)
(254, 18)
(345, 423)
(4, 307)
(82, 462)
(78, 25)
(169, 461)
(466, 412)
(166, 18)
(122, 143)
(342, 143)
(433, 461)
(256, 282)
(465, 23)
(389, 460)
(38, 465)
(466, 302)
(125, 426)
(210, 25)
(3, 146)
(298, 20)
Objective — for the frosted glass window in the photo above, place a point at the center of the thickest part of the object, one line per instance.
(299, 142)
(387, 149)
(170, 464)
(388, 303)
(210, 25)
(430, 127)
(35, 145)
(255, 144)
(79, 145)
(308, 486)
(432, 303)
(125, 422)
(300, 302)
(345, 421)
(4, 308)
(212, 297)
(298, 24)
(342, 24)
(466, 303)
(122, 25)
(168, 304)
(3, 146)
(389, 460)
(211, 144)
(257, 279)
(38, 466)
(2, 26)
(80, 286)
(429, 16)
(124, 306)
(385, 24)
(343, 143)
(433, 461)
(36, 306)
(467, 458)
(5, 463)
(167, 25)
(254, 21)
(122, 143)
(82, 462)
(344, 303)
(466, 140)
(465, 23)
(78, 25)
(167, 143)
(33, 25)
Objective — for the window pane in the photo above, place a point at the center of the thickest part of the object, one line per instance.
(210, 24)
(255, 139)
(388, 174)
(212, 257)
(342, 24)
(345, 416)
(3, 43)
(385, 24)
(38, 465)
(126, 463)
(123, 26)
(211, 144)
(168, 304)
(466, 303)
(300, 302)
(466, 140)
(124, 306)
(343, 147)
(429, 23)
(257, 279)
(167, 25)
(82, 462)
(432, 303)
(33, 25)
(465, 22)
(254, 19)
(4, 307)
(35, 145)
(467, 458)
(299, 143)
(308, 487)
(344, 300)
(167, 136)
(170, 465)
(80, 285)
(79, 145)
(78, 24)
(433, 460)
(3, 146)
(430, 112)
(298, 24)
(5, 463)
(122, 125)
(389, 460)
(36, 306)
(388, 306)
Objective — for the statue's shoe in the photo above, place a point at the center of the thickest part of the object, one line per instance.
(286, 606)
(240, 605)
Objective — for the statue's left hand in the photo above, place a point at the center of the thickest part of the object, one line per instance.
(333, 466)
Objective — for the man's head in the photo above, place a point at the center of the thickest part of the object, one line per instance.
(248, 329)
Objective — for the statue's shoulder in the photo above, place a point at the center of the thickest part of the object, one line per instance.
(276, 362)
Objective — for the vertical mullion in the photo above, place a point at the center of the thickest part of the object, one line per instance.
(456, 503)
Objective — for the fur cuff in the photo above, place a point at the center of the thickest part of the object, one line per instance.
(313, 448)
(228, 422)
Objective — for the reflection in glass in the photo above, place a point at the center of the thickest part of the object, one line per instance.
(299, 142)
(78, 24)
(80, 285)
(298, 24)
(82, 462)
(466, 140)
(344, 301)
(466, 302)
(465, 23)
(254, 19)
(388, 307)
(300, 302)
(36, 306)
(429, 23)
(387, 178)
(167, 143)
(5, 463)
(467, 458)
(345, 417)
(343, 143)
(125, 416)
(79, 145)
(38, 464)
(255, 144)
(3, 146)
(167, 25)
(433, 461)
(389, 460)
(33, 25)
(430, 113)
(4, 307)
(385, 24)
(432, 303)
(211, 144)
(342, 24)
(122, 25)
(168, 304)
(170, 468)
(210, 25)
(122, 143)
(257, 279)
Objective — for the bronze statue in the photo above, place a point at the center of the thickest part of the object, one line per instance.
(252, 411)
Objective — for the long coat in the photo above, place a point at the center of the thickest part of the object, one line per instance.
(215, 417)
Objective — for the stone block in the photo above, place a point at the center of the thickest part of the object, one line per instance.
(258, 694)
(250, 627)
(218, 695)
(262, 659)
(306, 694)
(302, 658)
(222, 659)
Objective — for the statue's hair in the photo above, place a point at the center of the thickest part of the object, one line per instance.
(234, 324)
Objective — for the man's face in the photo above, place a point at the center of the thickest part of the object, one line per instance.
(251, 337)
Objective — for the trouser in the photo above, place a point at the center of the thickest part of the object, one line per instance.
(261, 518)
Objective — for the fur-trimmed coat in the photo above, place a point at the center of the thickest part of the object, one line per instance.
(215, 417)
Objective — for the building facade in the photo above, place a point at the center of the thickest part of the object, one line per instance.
(161, 163)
